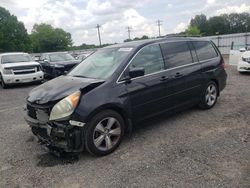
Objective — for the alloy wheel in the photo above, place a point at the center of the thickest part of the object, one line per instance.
(107, 134)
(211, 95)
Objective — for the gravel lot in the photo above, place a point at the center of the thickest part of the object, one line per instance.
(193, 148)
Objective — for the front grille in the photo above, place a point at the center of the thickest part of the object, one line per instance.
(31, 111)
(24, 72)
(41, 113)
(23, 68)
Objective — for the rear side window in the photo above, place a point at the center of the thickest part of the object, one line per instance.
(176, 54)
(204, 50)
(150, 58)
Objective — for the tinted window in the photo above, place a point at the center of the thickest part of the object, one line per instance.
(150, 58)
(176, 54)
(204, 50)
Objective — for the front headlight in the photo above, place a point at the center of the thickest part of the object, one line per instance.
(246, 59)
(65, 107)
(7, 71)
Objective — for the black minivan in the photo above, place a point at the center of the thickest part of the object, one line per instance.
(100, 99)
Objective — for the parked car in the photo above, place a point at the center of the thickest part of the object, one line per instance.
(244, 61)
(36, 58)
(236, 53)
(100, 99)
(18, 68)
(83, 56)
(57, 63)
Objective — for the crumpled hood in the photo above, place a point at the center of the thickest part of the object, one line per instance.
(246, 54)
(20, 64)
(61, 87)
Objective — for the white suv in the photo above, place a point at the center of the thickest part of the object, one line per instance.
(19, 68)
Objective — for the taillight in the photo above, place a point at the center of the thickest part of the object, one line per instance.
(223, 64)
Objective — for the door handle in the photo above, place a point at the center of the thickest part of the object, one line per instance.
(163, 78)
(178, 75)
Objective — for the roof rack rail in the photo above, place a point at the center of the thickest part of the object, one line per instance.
(181, 35)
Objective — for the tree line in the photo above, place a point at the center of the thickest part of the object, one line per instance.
(45, 38)
(219, 25)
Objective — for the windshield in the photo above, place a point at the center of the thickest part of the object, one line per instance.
(60, 57)
(16, 58)
(101, 64)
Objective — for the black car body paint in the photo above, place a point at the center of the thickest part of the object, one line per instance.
(134, 99)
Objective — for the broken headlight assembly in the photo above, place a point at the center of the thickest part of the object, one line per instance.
(65, 107)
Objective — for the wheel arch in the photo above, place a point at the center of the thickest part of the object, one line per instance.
(217, 84)
(121, 111)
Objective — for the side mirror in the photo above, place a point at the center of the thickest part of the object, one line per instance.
(136, 72)
(242, 49)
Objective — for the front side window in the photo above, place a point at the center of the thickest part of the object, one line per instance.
(176, 54)
(101, 64)
(17, 58)
(149, 58)
(204, 50)
(60, 57)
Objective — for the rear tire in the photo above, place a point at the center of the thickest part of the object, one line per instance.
(4, 86)
(210, 95)
(104, 133)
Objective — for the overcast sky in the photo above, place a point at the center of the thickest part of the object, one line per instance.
(79, 17)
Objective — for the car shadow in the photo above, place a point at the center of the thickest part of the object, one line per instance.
(51, 159)
(245, 73)
(23, 85)
(154, 122)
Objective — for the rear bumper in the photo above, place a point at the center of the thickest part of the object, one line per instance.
(222, 79)
(60, 136)
(25, 78)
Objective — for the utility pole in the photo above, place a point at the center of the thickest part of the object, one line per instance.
(159, 23)
(99, 36)
(129, 31)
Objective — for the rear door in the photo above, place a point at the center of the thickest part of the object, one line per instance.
(178, 58)
(193, 77)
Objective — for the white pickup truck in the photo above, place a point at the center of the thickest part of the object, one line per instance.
(19, 68)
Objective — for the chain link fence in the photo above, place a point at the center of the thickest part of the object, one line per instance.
(232, 41)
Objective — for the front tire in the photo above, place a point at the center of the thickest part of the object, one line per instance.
(104, 133)
(4, 86)
(210, 96)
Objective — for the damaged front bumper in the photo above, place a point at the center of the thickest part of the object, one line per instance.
(60, 136)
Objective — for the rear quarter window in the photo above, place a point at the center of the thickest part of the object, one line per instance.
(204, 50)
(176, 54)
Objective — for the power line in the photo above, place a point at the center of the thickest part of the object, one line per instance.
(159, 23)
(98, 31)
(129, 31)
